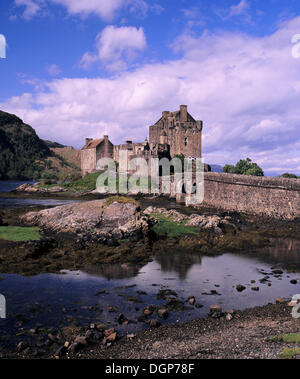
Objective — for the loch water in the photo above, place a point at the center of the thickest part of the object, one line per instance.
(87, 295)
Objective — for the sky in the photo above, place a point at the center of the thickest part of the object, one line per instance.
(77, 69)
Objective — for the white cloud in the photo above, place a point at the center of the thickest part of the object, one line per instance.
(32, 7)
(116, 46)
(240, 8)
(105, 9)
(53, 69)
(246, 90)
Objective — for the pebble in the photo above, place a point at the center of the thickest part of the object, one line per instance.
(240, 288)
(215, 308)
(192, 300)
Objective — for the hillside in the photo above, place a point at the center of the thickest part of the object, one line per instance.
(23, 155)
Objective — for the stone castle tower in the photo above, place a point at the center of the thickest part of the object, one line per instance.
(173, 134)
(180, 131)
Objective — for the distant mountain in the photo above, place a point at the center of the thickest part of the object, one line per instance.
(23, 155)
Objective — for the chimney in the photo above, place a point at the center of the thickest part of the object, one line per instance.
(183, 113)
(106, 153)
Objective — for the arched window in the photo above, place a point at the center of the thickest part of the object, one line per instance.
(185, 141)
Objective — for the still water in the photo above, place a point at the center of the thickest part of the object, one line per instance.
(84, 296)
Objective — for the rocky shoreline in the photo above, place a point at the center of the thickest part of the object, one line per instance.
(231, 334)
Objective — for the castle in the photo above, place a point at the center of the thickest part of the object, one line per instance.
(173, 134)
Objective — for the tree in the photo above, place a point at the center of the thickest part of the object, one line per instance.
(244, 167)
(290, 176)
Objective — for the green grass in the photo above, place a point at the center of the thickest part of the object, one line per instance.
(288, 338)
(121, 199)
(289, 353)
(17, 233)
(170, 228)
(88, 183)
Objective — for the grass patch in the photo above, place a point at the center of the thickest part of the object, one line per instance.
(87, 183)
(289, 353)
(288, 338)
(17, 233)
(170, 228)
(121, 199)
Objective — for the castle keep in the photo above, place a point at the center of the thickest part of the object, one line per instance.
(173, 134)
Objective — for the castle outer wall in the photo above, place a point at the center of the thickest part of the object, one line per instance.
(265, 196)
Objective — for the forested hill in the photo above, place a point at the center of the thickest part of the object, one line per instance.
(20, 149)
(23, 155)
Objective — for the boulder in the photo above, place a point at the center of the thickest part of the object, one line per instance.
(217, 224)
(35, 188)
(93, 220)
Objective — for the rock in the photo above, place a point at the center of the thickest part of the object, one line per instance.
(163, 313)
(240, 288)
(229, 317)
(154, 324)
(100, 326)
(121, 318)
(280, 300)
(215, 308)
(112, 337)
(108, 332)
(192, 300)
(148, 311)
(51, 337)
(293, 281)
(35, 188)
(21, 346)
(60, 352)
(74, 347)
(255, 288)
(292, 303)
(95, 220)
(214, 223)
(131, 336)
(277, 272)
(81, 340)
(230, 311)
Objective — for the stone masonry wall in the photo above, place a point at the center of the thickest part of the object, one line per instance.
(276, 197)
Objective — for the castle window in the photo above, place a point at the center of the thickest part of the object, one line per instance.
(185, 141)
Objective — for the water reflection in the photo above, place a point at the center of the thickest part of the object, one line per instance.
(179, 263)
(282, 251)
(113, 271)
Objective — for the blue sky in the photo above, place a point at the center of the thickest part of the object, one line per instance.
(77, 69)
